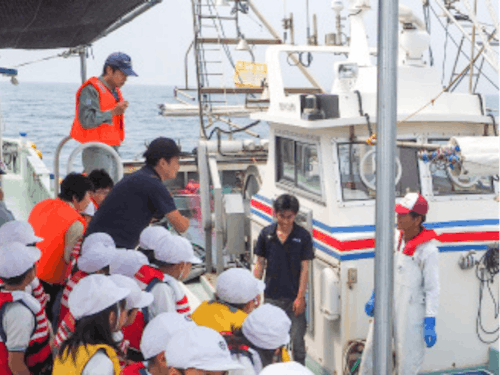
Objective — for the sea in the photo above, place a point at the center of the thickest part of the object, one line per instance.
(45, 111)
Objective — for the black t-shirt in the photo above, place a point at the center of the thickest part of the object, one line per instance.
(130, 206)
(284, 260)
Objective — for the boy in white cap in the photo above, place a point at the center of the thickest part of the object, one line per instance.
(155, 339)
(22, 232)
(286, 368)
(98, 306)
(135, 301)
(237, 293)
(199, 351)
(261, 340)
(24, 330)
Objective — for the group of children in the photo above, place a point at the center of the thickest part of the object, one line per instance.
(126, 312)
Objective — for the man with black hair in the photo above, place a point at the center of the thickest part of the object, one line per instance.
(416, 290)
(100, 109)
(59, 223)
(135, 200)
(284, 249)
(103, 184)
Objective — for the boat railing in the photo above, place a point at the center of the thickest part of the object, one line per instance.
(36, 177)
(76, 151)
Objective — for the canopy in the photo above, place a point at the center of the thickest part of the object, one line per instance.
(45, 24)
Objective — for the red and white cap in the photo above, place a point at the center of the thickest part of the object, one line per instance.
(413, 202)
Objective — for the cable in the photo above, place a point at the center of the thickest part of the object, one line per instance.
(495, 130)
(217, 129)
(486, 270)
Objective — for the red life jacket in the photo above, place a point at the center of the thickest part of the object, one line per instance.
(110, 134)
(66, 326)
(150, 276)
(38, 356)
(411, 246)
(135, 369)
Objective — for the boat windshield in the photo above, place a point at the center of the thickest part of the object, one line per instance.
(357, 163)
(445, 183)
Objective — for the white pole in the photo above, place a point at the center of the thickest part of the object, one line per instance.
(386, 144)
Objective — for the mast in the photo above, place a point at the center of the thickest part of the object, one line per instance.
(386, 128)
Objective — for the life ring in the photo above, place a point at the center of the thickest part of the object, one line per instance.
(371, 184)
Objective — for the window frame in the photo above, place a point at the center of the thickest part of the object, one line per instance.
(288, 185)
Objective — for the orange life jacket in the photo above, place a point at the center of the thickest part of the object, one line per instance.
(50, 220)
(110, 134)
(38, 356)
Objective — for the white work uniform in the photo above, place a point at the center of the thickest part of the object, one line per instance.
(251, 367)
(416, 296)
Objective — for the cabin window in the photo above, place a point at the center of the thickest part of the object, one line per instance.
(298, 164)
(445, 183)
(357, 163)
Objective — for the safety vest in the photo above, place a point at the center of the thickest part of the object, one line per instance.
(218, 316)
(66, 322)
(50, 220)
(38, 356)
(148, 277)
(424, 236)
(67, 366)
(138, 368)
(110, 134)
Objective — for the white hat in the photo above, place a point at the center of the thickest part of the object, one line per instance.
(96, 257)
(17, 258)
(18, 231)
(267, 327)
(200, 348)
(286, 368)
(98, 237)
(238, 285)
(412, 202)
(93, 294)
(89, 210)
(137, 299)
(157, 333)
(151, 235)
(174, 250)
(128, 262)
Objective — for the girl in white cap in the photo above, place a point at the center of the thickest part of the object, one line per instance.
(199, 351)
(98, 251)
(24, 330)
(261, 339)
(98, 306)
(135, 301)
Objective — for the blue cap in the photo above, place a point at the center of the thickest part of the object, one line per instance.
(121, 61)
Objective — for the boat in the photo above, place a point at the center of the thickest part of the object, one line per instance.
(321, 148)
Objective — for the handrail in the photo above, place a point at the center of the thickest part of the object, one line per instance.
(81, 147)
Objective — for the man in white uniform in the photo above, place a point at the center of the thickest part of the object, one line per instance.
(416, 290)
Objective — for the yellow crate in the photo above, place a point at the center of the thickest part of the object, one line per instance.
(249, 74)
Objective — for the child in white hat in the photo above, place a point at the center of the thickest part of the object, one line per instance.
(24, 330)
(135, 301)
(237, 293)
(155, 339)
(261, 340)
(98, 306)
(286, 368)
(98, 251)
(22, 232)
(199, 351)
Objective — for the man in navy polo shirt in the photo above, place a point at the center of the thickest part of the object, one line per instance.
(136, 199)
(287, 249)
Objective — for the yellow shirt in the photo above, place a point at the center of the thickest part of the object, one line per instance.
(67, 366)
(223, 318)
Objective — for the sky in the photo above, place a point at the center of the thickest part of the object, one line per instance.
(157, 42)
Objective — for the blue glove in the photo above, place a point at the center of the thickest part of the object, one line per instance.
(370, 306)
(430, 336)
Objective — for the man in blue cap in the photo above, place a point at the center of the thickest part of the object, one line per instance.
(100, 110)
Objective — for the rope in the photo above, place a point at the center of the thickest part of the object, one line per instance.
(64, 54)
